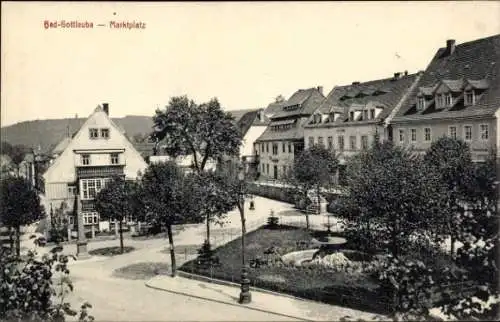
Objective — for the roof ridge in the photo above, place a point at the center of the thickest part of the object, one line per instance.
(474, 41)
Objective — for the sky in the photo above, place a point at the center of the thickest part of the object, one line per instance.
(243, 53)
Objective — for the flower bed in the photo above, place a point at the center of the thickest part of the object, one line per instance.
(315, 283)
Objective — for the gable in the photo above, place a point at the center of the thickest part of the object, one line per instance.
(63, 169)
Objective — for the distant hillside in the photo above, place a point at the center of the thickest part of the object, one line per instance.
(47, 133)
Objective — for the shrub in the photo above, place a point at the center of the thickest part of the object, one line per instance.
(273, 222)
(27, 291)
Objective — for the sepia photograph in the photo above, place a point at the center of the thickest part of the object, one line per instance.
(250, 161)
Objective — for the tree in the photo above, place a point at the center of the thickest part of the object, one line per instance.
(166, 194)
(451, 158)
(279, 99)
(115, 202)
(20, 205)
(313, 168)
(204, 132)
(27, 290)
(212, 195)
(15, 152)
(390, 194)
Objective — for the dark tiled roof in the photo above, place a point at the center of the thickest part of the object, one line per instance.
(476, 62)
(294, 133)
(308, 101)
(251, 118)
(385, 93)
(238, 114)
(273, 108)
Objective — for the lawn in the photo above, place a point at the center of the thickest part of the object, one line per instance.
(111, 251)
(357, 290)
(142, 271)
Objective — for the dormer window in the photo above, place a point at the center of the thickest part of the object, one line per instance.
(420, 103)
(448, 99)
(351, 116)
(469, 97)
(440, 101)
(372, 114)
(365, 115)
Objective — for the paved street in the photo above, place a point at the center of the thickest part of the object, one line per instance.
(116, 299)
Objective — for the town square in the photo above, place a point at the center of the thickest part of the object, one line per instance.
(250, 161)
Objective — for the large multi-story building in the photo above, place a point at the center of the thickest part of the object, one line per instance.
(284, 137)
(352, 116)
(458, 95)
(98, 151)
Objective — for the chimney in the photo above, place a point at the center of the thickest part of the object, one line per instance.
(105, 108)
(406, 73)
(320, 89)
(355, 83)
(397, 75)
(450, 46)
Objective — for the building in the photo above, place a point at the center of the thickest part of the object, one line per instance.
(251, 124)
(98, 151)
(352, 116)
(284, 137)
(458, 95)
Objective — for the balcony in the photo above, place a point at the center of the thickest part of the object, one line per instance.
(107, 171)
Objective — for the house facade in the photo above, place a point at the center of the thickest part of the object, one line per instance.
(283, 139)
(98, 151)
(458, 95)
(352, 116)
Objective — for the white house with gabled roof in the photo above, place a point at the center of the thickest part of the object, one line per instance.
(96, 153)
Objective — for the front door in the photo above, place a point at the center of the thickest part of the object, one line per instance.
(275, 172)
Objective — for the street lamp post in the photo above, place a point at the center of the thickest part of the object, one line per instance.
(245, 295)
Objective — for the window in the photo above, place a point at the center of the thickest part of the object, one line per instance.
(114, 158)
(263, 168)
(284, 147)
(85, 159)
(469, 97)
(352, 142)
(427, 134)
(351, 116)
(267, 147)
(413, 135)
(267, 168)
(364, 142)
(439, 101)
(105, 133)
(467, 132)
(372, 114)
(330, 142)
(90, 218)
(71, 190)
(401, 136)
(448, 99)
(365, 115)
(93, 133)
(420, 103)
(340, 140)
(289, 147)
(90, 187)
(275, 148)
(484, 131)
(284, 171)
(320, 141)
(311, 141)
(452, 132)
(262, 147)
